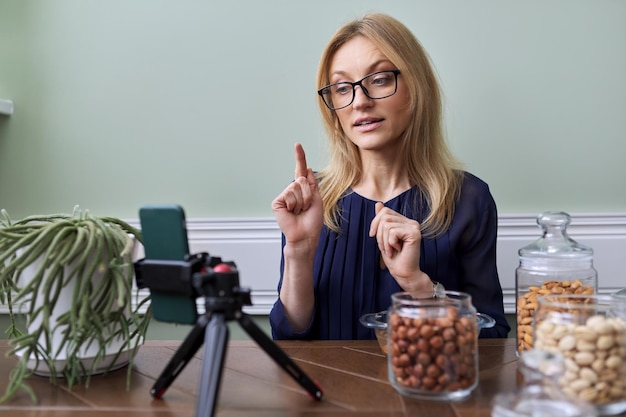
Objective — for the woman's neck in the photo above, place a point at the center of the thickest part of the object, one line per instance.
(382, 181)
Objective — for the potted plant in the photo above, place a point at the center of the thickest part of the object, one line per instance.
(72, 278)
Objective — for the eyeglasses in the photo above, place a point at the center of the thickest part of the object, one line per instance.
(381, 84)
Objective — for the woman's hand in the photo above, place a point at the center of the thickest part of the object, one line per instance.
(298, 209)
(399, 241)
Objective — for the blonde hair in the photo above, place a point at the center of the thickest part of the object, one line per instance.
(428, 160)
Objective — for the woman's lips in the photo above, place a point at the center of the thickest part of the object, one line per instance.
(368, 124)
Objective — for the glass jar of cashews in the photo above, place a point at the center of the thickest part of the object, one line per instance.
(552, 264)
(589, 331)
(539, 393)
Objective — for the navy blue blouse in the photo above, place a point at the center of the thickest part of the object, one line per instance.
(349, 280)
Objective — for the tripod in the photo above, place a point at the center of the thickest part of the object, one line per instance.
(224, 299)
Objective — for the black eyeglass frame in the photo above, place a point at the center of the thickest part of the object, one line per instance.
(395, 72)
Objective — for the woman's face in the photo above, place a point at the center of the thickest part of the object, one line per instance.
(372, 125)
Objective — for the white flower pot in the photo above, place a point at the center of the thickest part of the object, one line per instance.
(116, 354)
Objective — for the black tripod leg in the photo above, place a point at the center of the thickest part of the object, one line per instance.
(215, 341)
(280, 357)
(183, 355)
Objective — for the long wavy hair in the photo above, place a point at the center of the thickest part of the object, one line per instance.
(427, 157)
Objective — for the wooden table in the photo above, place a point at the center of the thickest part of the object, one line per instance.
(353, 375)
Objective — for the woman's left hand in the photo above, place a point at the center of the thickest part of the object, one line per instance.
(399, 241)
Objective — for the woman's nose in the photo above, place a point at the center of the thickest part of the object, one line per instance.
(360, 98)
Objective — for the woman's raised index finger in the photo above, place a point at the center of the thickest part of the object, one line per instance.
(301, 166)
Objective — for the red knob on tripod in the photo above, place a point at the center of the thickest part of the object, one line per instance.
(222, 268)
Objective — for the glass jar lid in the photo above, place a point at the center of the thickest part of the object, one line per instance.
(555, 243)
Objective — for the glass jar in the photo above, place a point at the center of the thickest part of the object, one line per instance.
(589, 331)
(619, 303)
(433, 344)
(540, 394)
(553, 264)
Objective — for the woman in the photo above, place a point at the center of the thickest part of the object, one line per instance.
(392, 211)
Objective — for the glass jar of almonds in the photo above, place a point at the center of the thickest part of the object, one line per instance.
(553, 264)
(589, 331)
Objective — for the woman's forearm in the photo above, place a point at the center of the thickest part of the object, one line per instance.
(296, 293)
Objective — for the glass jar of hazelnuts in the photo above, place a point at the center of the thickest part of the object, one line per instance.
(432, 348)
(553, 264)
(589, 331)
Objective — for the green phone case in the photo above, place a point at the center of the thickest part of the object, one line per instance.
(164, 232)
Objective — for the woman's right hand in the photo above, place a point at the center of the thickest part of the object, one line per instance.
(298, 208)
(298, 211)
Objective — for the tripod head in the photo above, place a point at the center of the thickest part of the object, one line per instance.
(199, 275)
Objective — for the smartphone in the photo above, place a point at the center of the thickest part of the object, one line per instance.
(164, 233)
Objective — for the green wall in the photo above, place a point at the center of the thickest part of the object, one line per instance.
(119, 103)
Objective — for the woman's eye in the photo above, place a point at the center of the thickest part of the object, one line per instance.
(343, 89)
(381, 80)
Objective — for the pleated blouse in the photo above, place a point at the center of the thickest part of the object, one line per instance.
(349, 280)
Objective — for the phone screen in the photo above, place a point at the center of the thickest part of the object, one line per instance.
(164, 233)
